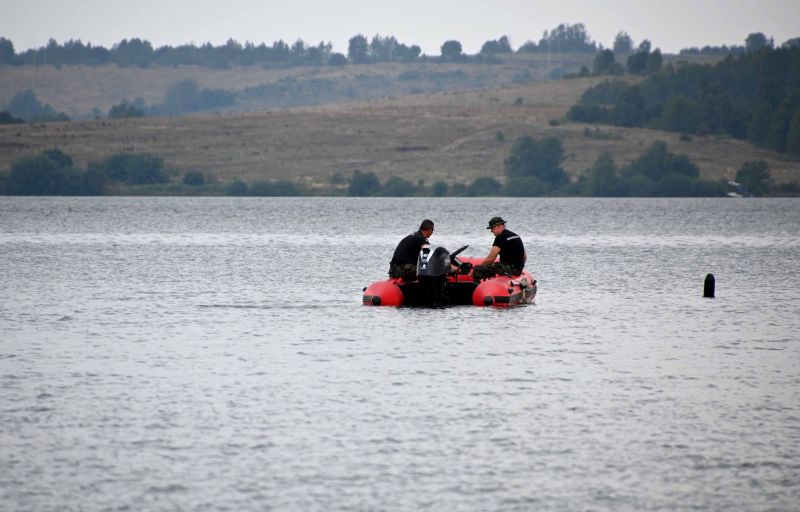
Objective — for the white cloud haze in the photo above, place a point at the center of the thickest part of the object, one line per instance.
(669, 25)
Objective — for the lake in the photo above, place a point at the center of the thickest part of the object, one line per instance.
(213, 354)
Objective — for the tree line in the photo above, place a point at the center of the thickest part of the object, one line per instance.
(754, 97)
(565, 38)
(54, 173)
(533, 168)
(182, 97)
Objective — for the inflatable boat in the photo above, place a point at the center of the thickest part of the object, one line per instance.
(444, 279)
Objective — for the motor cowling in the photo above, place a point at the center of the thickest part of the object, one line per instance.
(433, 261)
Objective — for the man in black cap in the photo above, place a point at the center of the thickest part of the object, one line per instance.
(404, 259)
(509, 246)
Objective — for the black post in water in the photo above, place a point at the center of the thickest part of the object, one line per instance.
(708, 286)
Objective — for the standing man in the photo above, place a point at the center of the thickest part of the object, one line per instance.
(509, 246)
(404, 260)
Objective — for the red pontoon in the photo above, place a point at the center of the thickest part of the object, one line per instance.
(443, 279)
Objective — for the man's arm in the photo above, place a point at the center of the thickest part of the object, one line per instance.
(491, 256)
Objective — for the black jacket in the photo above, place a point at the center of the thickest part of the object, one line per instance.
(407, 250)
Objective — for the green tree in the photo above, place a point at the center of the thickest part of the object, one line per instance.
(501, 45)
(637, 63)
(657, 162)
(133, 168)
(629, 108)
(567, 38)
(781, 120)
(260, 189)
(236, 188)
(181, 97)
(397, 187)
(194, 178)
(358, 49)
(793, 137)
(363, 184)
(7, 118)
(655, 61)
(298, 52)
(639, 185)
(451, 50)
(383, 49)
(7, 54)
(484, 186)
(605, 64)
(541, 159)
(754, 176)
(59, 157)
(758, 128)
(527, 186)
(439, 189)
(184, 96)
(756, 41)
(134, 52)
(674, 185)
(680, 115)
(26, 106)
(705, 188)
(717, 113)
(604, 179)
(124, 110)
(51, 173)
(337, 59)
(273, 188)
(623, 44)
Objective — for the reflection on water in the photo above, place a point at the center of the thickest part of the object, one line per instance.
(212, 353)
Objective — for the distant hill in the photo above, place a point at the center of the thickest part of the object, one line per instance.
(452, 136)
(83, 92)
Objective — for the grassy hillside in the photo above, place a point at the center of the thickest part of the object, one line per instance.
(77, 90)
(449, 135)
(462, 128)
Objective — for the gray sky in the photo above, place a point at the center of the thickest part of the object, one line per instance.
(670, 25)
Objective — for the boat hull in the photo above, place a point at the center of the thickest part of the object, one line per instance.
(456, 288)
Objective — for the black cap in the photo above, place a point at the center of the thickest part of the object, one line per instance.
(495, 221)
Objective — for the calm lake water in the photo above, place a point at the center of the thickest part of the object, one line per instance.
(213, 354)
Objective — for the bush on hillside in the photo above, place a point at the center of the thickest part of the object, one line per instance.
(397, 187)
(363, 184)
(133, 168)
(51, 173)
(194, 178)
(657, 172)
(754, 176)
(484, 186)
(273, 188)
(541, 159)
(439, 189)
(236, 188)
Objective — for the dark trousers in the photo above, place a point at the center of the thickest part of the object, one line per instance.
(492, 269)
(406, 271)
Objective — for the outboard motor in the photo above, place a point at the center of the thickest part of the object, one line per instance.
(433, 264)
(433, 261)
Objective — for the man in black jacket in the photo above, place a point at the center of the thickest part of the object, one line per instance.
(508, 245)
(404, 259)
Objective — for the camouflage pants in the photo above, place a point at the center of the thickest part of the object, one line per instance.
(492, 269)
(406, 271)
